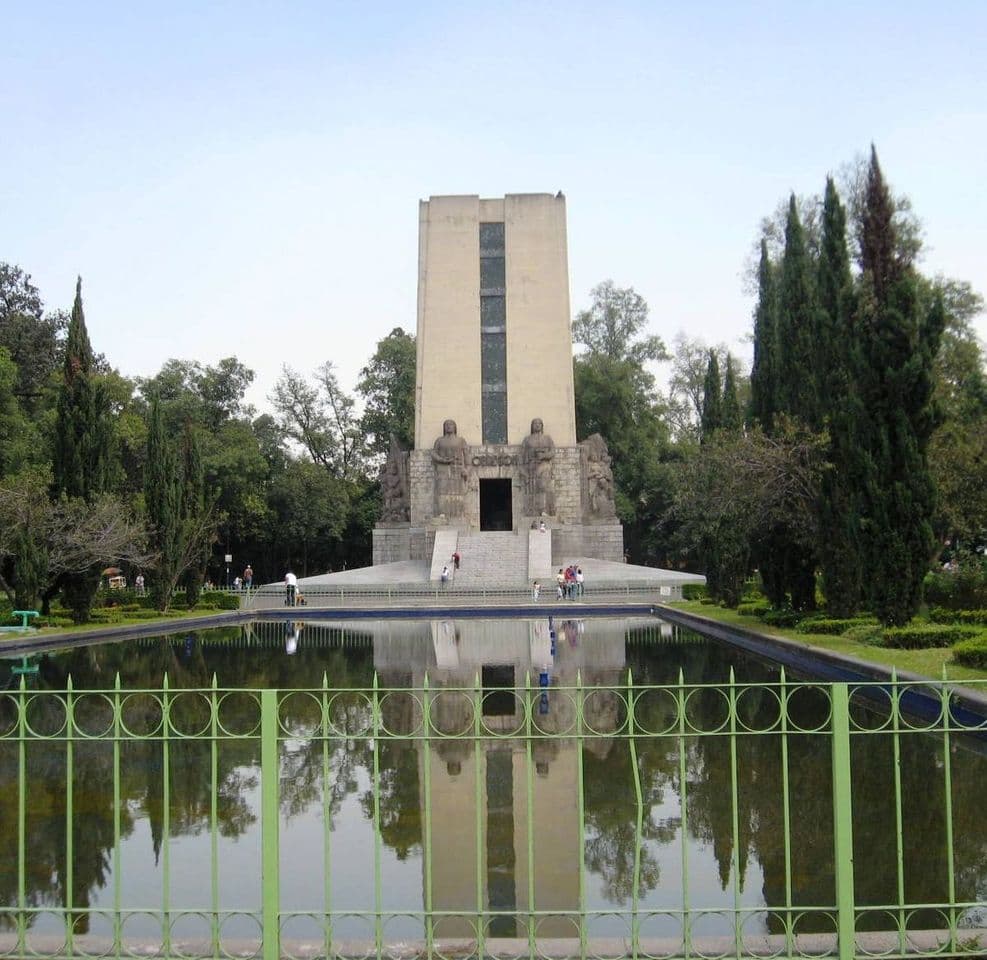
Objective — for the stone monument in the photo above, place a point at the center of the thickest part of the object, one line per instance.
(495, 430)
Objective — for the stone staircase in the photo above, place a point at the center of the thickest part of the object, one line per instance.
(491, 558)
(442, 550)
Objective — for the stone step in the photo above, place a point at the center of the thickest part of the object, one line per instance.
(489, 557)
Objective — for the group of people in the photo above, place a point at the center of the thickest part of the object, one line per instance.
(568, 584)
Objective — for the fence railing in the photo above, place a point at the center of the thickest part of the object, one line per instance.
(453, 594)
(787, 771)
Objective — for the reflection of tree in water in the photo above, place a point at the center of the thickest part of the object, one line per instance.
(189, 664)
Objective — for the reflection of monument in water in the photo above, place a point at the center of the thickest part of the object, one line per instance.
(495, 433)
(496, 772)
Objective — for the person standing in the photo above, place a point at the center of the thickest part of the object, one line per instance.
(535, 590)
(579, 581)
(455, 560)
(444, 576)
(248, 577)
(290, 589)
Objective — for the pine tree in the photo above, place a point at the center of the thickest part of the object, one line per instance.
(732, 417)
(764, 386)
(83, 439)
(899, 345)
(841, 408)
(711, 418)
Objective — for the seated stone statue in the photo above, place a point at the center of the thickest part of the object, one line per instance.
(537, 453)
(449, 458)
(598, 478)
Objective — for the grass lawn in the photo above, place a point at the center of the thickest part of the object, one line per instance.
(125, 619)
(929, 662)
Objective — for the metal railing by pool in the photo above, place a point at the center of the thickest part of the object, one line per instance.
(88, 731)
(453, 594)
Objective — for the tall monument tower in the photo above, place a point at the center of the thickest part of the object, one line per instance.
(495, 430)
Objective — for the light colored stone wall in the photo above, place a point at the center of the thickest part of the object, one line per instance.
(448, 340)
(539, 344)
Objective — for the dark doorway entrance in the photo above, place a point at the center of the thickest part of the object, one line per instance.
(495, 505)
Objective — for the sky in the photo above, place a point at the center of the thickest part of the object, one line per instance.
(243, 178)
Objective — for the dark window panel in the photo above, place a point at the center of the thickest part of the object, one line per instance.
(493, 313)
(494, 417)
(491, 238)
(492, 275)
(493, 359)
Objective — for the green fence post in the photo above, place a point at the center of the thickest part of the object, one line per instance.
(842, 820)
(270, 856)
(21, 818)
(639, 823)
(326, 820)
(69, 820)
(581, 802)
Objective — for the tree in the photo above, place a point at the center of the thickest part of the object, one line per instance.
(958, 448)
(798, 391)
(712, 411)
(611, 327)
(182, 526)
(18, 439)
(738, 489)
(51, 541)
(900, 341)
(841, 408)
(733, 418)
(616, 397)
(764, 376)
(83, 437)
(31, 336)
(387, 385)
(320, 418)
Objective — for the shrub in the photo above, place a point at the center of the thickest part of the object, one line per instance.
(753, 608)
(832, 627)
(784, 617)
(223, 601)
(871, 634)
(146, 614)
(964, 588)
(972, 652)
(707, 601)
(942, 615)
(115, 598)
(694, 591)
(922, 637)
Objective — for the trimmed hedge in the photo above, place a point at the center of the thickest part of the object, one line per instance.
(972, 652)
(782, 618)
(753, 608)
(871, 634)
(220, 599)
(694, 591)
(942, 615)
(934, 635)
(833, 627)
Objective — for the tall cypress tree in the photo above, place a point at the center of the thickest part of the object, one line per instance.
(764, 380)
(899, 344)
(193, 500)
(732, 417)
(163, 500)
(81, 462)
(711, 418)
(842, 409)
(797, 339)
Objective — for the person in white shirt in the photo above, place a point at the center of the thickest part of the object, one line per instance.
(290, 588)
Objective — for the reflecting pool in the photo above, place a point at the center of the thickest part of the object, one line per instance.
(529, 772)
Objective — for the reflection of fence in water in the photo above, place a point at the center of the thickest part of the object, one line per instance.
(513, 779)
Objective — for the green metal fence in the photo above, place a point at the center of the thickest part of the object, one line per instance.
(267, 725)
